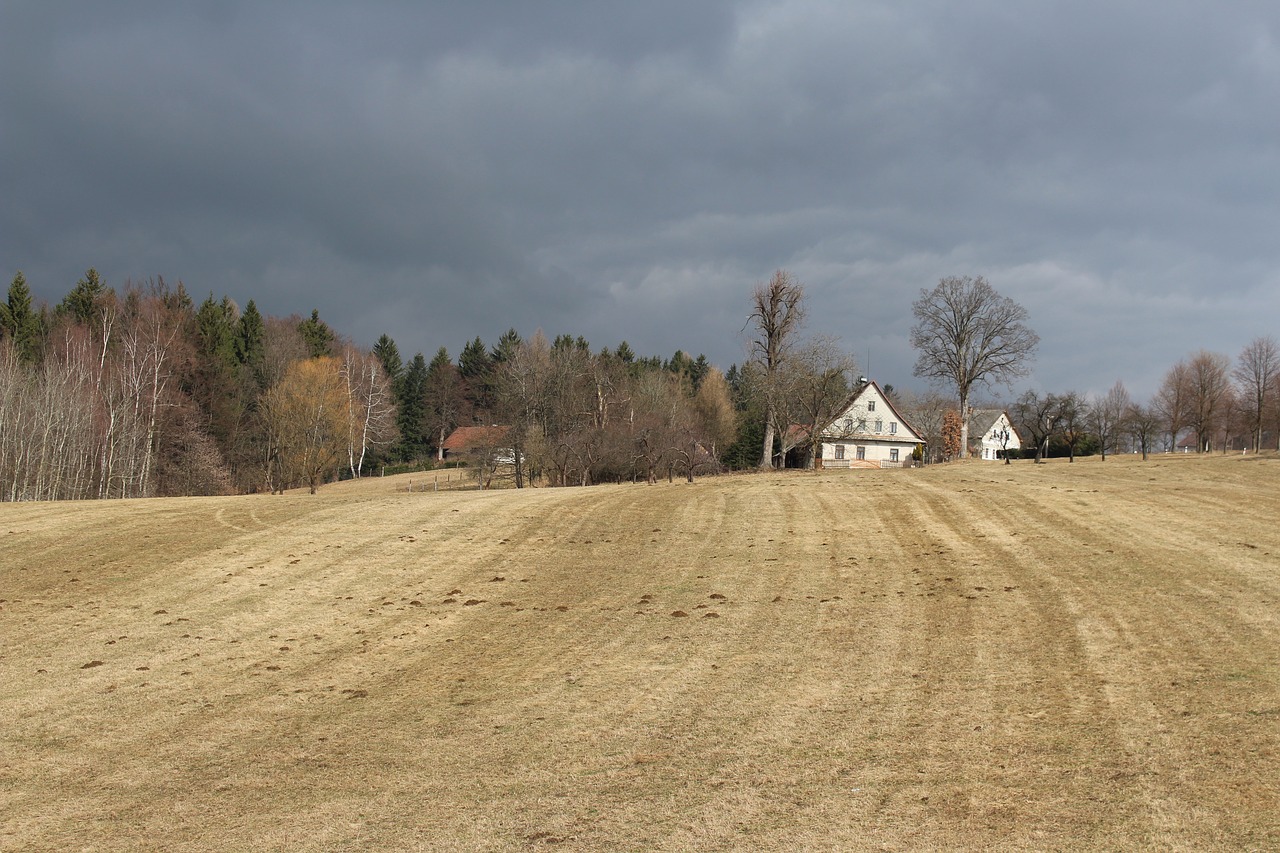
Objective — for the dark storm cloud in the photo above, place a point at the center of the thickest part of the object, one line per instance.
(630, 170)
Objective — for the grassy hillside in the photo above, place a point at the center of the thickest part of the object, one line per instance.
(976, 655)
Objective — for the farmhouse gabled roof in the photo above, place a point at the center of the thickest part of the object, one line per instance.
(982, 420)
(468, 437)
(913, 435)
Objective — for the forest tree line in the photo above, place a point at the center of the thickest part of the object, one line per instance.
(144, 392)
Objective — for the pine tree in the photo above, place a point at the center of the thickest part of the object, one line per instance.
(82, 302)
(317, 335)
(20, 323)
(389, 354)
(413, 410)
(506, 347)
(250, 340)
(443, 399)
(216, 377)
(476, 367)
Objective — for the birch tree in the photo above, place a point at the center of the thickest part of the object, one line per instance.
(371, 407)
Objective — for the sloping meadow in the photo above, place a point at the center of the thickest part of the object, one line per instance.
(964, 656)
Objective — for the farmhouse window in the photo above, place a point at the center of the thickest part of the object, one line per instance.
(871, 405)
(848, 424)
(879, 426)
(893, 427)
(893, 454)
(862, 453)
(839, 451)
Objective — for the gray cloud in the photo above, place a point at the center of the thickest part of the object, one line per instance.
(630, 171)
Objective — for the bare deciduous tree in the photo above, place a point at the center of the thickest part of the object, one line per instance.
(926, 412)
(1037, 417)
(371, 406)
(1106, 415)
(1073, 419)
(306, 417)
(1257, 369)
(818, 387)
(1143, 423)
(968, 333)
(777, 311)
(1172, 401)
(1210, 389)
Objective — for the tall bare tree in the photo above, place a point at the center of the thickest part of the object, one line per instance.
(968, 333)
(306, 416)
(1037, 417)
(777, 311)
(818, 388)
(371, 406)
(1209, 375)
(1257, 369)
(1106, 416)
(1143, 423)
(1073, 419)
(926, 412)
(1172, 401)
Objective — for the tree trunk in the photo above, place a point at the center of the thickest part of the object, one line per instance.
(766, 457)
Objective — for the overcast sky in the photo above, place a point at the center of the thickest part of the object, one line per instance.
(438, 171)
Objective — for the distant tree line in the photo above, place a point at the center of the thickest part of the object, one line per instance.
(1206, 402)
(143, 392)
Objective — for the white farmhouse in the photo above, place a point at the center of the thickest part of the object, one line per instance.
(869, 433)
(991, 433)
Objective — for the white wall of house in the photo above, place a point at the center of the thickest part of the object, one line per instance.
(992, 444)
(868, 432)
(849, 454)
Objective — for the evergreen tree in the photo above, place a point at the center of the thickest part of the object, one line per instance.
(698, 371)
(506, 347)
(444, 399)
(389, 354)
(215, 380)
(251, 340)
(82, 302)
(216, 331)
(413, 410)
(317, 335)
(476, 367)
(474, 361)
(20, 324)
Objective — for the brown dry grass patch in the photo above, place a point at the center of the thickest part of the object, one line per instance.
(971, 656)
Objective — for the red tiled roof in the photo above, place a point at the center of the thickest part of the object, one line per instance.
(467, 437)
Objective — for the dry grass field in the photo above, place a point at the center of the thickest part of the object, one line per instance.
(970, 656)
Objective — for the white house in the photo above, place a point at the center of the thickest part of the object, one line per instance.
(991, 433)
(869, 433)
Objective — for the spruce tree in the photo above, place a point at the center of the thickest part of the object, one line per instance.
(21, 325)
(413, 410)
(389, 355)
(251, 340)
(82, 302)
(318, 336)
